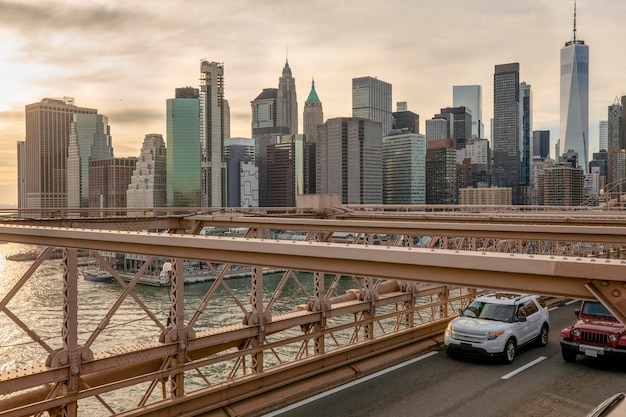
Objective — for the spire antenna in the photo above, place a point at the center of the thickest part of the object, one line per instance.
(574, 21)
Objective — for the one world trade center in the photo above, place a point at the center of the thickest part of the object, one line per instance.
(574, 130)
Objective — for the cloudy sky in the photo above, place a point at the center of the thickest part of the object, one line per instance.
(125, 58)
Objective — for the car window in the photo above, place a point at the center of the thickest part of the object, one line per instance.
(595, 308)
(531, 307)
(490, 311)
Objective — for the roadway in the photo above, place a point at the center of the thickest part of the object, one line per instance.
(537, 384)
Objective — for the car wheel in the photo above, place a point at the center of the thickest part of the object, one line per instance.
(568, 355)
(509, 351)
(542, 339)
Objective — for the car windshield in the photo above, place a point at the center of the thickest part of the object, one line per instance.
(595, 308)
(489, 311)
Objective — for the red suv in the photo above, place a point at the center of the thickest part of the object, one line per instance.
(596, 333)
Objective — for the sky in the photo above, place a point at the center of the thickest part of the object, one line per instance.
(125, 58)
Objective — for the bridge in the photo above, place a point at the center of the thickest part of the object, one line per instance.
(411, 269)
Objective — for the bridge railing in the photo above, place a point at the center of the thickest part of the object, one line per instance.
(83, 367)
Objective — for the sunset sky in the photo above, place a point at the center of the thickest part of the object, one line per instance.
(125, 58)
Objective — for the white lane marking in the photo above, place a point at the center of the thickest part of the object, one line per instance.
(553, 308)
(523, 368)
(571, 302)
(348, 385)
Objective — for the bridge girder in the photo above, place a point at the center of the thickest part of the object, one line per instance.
(570, 277)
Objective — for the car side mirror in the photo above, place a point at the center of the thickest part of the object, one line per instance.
(577, 312)
(521, 319)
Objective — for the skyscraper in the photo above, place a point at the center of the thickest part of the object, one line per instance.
(460, 122)
(264, 110)
(604, 135)
(615, 125)
(109, 179)
(287, 102)
(242, 173)
(441, 172)
(526, 144)
(371, 99)
(349, 160)
(184, 171)
(285, 170)
(471, 96)
(90, 138)
(541, 143)
(48, 127)
(574, 130)
(506, 128)
(404, 168)
(212, 124)
(148, 185)
(313, 114)
(265, 131)
(402, 118)
(438, 128)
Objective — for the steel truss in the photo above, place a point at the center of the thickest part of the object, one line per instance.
(409, 278)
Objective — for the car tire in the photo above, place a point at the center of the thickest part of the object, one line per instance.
(568, 355)
(542, 339)
(510, 349)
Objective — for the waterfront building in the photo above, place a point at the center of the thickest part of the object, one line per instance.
(402, 118)
(241, 173)
(506, 129)
(21, 174)
(90, 138)
(212, 129)
(471, 96)
(441, 172)
(109, 179)
(404, 167)
(371, 99)
(574, 112)
(48, 128)
(489, 196)
(184, 155)
(313, 114)
(148, 185)
(349, 160)
(541, 143)
(287, 102)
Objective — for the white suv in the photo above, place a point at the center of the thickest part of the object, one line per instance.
(496, 324)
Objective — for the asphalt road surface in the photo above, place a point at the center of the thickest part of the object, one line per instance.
(538, 383)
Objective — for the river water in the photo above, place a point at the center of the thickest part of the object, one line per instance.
(39, 305)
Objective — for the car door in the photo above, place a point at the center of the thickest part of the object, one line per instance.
(530, 328)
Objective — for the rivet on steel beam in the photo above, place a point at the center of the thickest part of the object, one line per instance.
(604, 283)
(616, 293)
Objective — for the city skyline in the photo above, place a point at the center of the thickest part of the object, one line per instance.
(126, 60)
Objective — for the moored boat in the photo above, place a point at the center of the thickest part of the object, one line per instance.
(95, 274)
